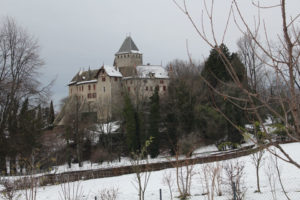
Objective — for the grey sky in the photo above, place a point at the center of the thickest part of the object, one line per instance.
(82, 33)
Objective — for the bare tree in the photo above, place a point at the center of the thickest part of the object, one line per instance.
(235, 172)
(257, 160)
(142, 174)
(250, 57)
(109, 194)
(281, 62)
(71, 190)
(76, 125)
(184, 170)
(169, 181)
(10, 191)
(19, 65)
(272, 176)
(211, 179)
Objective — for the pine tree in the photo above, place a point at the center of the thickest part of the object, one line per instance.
(51, 114)
(13, 136)
(24, 148)
(215, 68)
(39, 119)
(219, 76)
(130, 117)
(154, 120)
(30, 129)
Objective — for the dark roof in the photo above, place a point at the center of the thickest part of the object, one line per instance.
(84, 76)
(128, 46)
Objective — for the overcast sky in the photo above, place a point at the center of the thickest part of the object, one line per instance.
(87, 33)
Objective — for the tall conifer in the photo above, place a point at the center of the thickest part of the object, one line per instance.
(51, 114)
(130, 116)
(154, 120)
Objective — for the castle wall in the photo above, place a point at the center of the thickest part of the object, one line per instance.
(127, 63)
(141, 89)
(128, 59)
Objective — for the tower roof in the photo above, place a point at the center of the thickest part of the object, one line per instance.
(128, 46)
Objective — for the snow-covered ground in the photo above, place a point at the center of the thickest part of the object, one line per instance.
(290, 177)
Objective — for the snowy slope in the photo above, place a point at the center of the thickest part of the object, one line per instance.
(127, 191)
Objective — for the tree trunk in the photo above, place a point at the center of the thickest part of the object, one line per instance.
(257, 178)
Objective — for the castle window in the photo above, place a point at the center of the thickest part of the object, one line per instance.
(81, 88)
(146, 88)
(94, 86)
(103, 89)
(131, 82)
(89, 95)
(161, 81)
(116, 79)
(94, 95)
(103, 79)
(164, 88)
(89, 87)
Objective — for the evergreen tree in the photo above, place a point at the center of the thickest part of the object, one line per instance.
(154, 120)
(220, 77)
(215, 66)
(185, 103)
(30, 130)
(131, 119)
(13, 136)
(24, 148)
(210, 123)
(237, 116)
(51, 114)
(39, 119)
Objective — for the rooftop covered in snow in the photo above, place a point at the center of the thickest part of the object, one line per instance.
(84, 76)
(90, 76)
(110, 71)
(152, 71)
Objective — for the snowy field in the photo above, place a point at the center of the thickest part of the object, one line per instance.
(126, 184)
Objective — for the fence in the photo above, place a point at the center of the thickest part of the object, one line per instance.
(52, 179)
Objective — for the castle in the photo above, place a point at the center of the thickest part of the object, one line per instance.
(100, 91)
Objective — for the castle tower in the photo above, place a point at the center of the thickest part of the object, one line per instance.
(128, 57)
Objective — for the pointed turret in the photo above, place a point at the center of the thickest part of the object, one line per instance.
(128, 57)
(128, 46)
